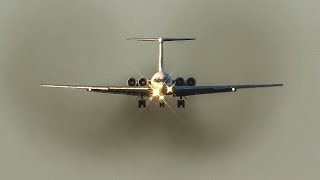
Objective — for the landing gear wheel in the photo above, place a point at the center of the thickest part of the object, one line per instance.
(181, 103)
(161, 104)
(141, 103)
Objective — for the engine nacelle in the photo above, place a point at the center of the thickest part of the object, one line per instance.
(179, 81)
(191, 81)
(131, 82)
(142, 81)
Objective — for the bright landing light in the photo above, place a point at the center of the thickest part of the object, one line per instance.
(169, 89)
(161, 97)
(156, 92)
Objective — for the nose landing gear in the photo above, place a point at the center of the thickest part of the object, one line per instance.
(161, 103)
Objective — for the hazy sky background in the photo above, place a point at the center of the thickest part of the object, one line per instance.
(270, 133)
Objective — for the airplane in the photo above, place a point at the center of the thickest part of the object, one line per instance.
(161, 84)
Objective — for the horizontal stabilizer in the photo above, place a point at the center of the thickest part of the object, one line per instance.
(161, 39)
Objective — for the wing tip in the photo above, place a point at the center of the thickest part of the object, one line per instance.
(278, 84)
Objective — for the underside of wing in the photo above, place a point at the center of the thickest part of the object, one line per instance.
(125, 90)
(195, 90)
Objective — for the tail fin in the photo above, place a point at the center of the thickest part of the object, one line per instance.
(161, 40)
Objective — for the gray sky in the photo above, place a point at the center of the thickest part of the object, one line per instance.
(270, 133)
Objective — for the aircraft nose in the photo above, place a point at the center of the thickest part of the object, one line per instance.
(163, 86)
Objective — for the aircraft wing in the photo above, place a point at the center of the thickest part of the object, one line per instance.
(125, 90)
(195, 90)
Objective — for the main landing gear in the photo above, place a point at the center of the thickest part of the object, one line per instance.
(181, 103)
(142, 103)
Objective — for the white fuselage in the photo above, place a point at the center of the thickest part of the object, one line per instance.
(161, 81)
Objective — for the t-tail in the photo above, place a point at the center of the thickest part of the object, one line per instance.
(161, 41)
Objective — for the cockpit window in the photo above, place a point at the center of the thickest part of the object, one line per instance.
(158, 80)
